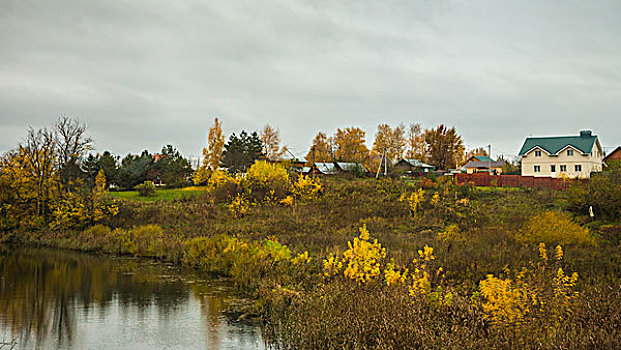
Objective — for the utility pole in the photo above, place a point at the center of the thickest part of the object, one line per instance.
(313, 165)
(489, 156)
(385, 163)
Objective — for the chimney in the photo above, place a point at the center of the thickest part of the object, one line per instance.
(585, 133)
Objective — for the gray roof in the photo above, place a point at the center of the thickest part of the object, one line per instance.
(584, 143)
(416, 163)
(327, 168)
(484, 165)
(347, 166)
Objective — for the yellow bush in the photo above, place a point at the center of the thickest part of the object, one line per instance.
(301, 259)
(414, 200)
(507, 301)
(363, 258)
(554, 228)
(393, 275)
(306, 188)
(450, 233)
(263, 177)
(238, 206)
(540, 293)
(332, 265)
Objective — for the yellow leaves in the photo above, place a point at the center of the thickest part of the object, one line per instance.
(450, 233)
(542, 252)
(301, 259)
(267, 175)
(238, 206)
(306, 188)
(414, 200)
(540, 293)
(363, 258)
(507, 302)
(287, 200)
(350, 145)
(393, 276)
(555, 228)
(332, 265)
(558, 253)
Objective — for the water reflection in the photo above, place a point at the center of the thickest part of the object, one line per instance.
(52, 299)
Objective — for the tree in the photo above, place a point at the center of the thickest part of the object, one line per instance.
(322, 149)
(212, 154)
(350, 145)
(415, 142)
(271, 143)
(71, 143)
(480, 151)
(240, 152)
(170, 168)
(444, 147)
(390, 139)
(134, 169)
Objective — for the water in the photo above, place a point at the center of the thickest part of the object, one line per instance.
(53, 299)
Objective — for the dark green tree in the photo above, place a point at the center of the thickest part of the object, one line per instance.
(241, 151)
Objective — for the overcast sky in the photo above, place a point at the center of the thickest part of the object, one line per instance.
(142, 73)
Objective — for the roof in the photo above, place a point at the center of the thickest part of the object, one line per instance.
(481, 158)
(484, 165)
(584, 143)
(327, 168)
(346, 166)
(612, 154)
(416, 163)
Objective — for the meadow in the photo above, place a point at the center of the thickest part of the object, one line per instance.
(349, 263)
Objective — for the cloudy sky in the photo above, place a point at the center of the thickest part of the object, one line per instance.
(146, 73)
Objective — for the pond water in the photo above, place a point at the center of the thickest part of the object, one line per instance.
(54, 299)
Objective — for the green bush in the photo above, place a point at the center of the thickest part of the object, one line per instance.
(146, 188)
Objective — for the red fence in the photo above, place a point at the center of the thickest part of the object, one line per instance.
(512, 181)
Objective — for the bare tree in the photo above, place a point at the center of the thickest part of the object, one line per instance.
(72, 143)
(40, 152)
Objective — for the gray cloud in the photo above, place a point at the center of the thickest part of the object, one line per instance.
(146, 73)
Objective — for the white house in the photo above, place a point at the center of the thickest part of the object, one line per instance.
(573, 156)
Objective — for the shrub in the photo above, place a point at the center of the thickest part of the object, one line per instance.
(94, 237)
(554, 228)
(222, 186)
(264, 178)
(146, 188)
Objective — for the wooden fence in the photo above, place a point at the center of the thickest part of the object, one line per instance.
(512, 181)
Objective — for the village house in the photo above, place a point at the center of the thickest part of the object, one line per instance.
(478, 164)
(411, 166)
(614, 156)
(572, 156)
(334, 168)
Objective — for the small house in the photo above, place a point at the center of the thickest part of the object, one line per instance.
(411, 166)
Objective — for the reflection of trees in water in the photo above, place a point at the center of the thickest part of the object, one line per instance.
(41, 291)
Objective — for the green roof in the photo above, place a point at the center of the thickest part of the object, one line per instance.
(552, 145)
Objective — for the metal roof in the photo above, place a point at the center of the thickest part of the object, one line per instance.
(584, 143)
(417, 163)
(484, 165)
(327, 168)
(348, 166)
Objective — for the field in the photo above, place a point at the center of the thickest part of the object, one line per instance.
(366, 263)
(166, 194)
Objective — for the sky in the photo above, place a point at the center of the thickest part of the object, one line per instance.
(142, 74)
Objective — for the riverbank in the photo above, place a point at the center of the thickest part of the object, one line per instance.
(293, 261)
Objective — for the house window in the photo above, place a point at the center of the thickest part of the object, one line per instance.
(563, 167)
(537, 153)
(552, 168)
(570, 152)
(537, 168)
(578, 167)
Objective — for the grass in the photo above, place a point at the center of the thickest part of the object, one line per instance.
(304, 310)
(165, 194)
